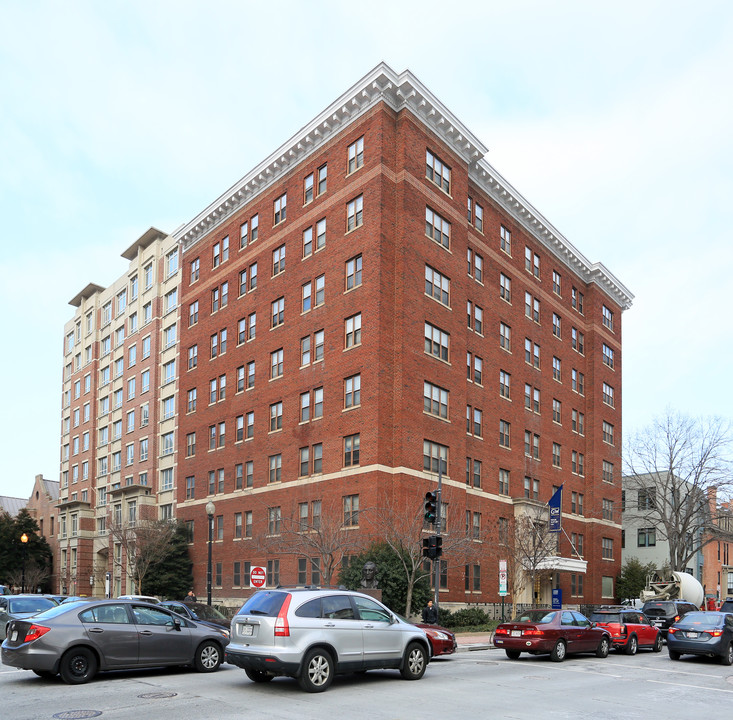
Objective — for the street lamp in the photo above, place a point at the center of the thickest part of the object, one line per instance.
(210, 508)
(24, 543)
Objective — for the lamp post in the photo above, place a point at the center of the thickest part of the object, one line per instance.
(210, 508)
(24, 543)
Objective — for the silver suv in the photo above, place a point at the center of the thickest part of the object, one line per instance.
(312, 634)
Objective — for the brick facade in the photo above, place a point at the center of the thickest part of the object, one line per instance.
(388, 212)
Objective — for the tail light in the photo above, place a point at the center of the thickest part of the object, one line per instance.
(501, 631)
(714, 633)
(282, 628)
(533, 632)
(676, 618)
(672, 630)
(34, 632)
(622, 629)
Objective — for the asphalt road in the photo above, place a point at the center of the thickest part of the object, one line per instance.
(470, 684)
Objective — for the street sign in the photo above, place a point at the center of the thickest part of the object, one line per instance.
(502, 578)
(556, 598)
(257, 577)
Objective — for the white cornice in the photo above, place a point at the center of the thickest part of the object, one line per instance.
(400, 91)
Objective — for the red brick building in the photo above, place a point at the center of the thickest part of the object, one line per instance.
(370, 298)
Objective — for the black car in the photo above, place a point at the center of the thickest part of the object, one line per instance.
(200, 613)
(702, 633)
(664, 613)
(726, 605)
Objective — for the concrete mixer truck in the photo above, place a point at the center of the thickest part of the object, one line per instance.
(667, 600)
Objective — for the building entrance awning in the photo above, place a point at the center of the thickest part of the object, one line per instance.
(555, 562)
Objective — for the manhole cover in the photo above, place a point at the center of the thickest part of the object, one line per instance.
(77, 714)
(157, 695)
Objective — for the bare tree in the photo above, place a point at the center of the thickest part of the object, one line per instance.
(35, 575)
(526, 543)
(144, 543)
(675, 469)
(403, 532)
(322, 532)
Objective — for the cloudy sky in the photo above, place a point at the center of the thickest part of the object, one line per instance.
(615, 120)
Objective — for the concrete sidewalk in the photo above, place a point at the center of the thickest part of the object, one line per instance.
(474, 641)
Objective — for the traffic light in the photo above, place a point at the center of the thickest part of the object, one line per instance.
(438, 543)
(431, 506)
(432, 547)
(426, 547)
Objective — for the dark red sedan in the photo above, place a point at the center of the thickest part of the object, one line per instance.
(442, 641)
(554, 632)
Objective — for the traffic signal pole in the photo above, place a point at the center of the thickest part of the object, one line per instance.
(438, 524)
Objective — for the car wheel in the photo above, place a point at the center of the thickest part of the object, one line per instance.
(727, 659)
(674, 655)
(77, 666)
(632, 645)
(559, 651)
(317, 672)
(603, 647)
(45, 674)
(415, 662)
(208, 657)
(513, 654)
(258, 676)
(658, 643)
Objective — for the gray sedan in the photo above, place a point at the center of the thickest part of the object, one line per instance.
(78, 639)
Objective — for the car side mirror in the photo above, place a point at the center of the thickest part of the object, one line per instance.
(177, 624)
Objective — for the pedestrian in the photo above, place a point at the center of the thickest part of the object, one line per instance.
(430, 614)
(191, 597)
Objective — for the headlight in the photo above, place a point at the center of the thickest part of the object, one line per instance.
(440, 635)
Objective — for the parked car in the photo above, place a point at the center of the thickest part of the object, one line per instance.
(702, 633)
(630, 629)
(664, 613)
(21, 606)
(80, 638)
(140, 598)
(200, 613)
(554, 632)
(442, 640)
(313, 634)
(726, 605)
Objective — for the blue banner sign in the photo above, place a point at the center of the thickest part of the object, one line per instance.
(555, 505)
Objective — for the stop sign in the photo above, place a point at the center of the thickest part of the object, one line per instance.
(257, 577)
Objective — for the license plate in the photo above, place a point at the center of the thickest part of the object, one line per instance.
(659, 623)
(247, 629)
(516, 633)
(13, 636)
(692, 635)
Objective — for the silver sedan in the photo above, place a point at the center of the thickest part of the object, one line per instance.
(78, 639)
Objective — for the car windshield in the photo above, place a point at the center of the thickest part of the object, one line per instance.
(204, 612)
(604, 617)
(30, 605)
(701, 620)
(535, 616)
(266, 602)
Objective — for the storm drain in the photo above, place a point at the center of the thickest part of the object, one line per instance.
(77, 714)
(157, 695)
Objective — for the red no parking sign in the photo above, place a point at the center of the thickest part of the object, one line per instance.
(257, 577)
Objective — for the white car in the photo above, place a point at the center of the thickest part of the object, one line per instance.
(140, 598)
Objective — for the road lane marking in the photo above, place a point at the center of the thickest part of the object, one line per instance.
(698, 687)
(670, 670)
